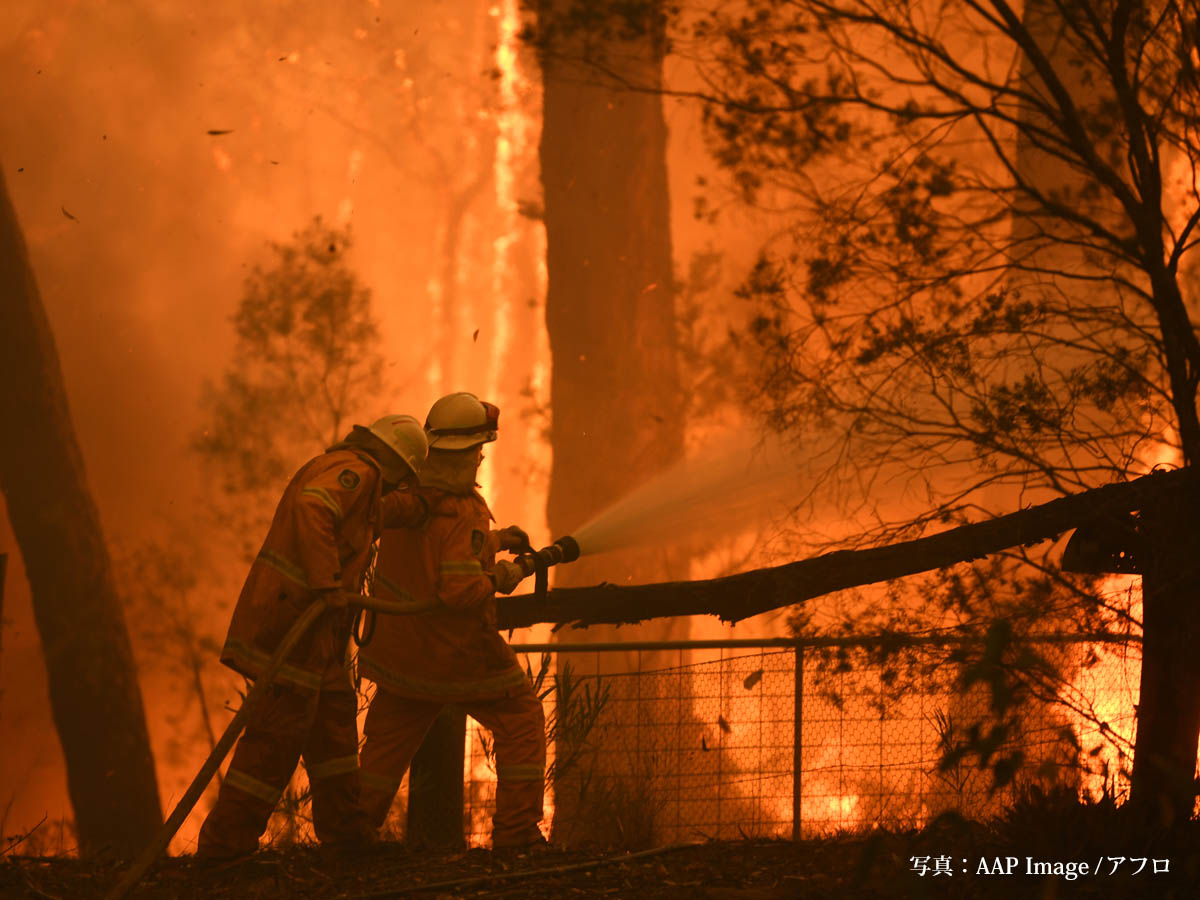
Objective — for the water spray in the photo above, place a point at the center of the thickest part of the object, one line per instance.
(737, 482)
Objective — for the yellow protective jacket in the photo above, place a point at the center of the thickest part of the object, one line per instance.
(453, 654)
(321, 537)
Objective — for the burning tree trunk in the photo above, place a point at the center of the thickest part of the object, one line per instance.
(94, 694)
(610, 317)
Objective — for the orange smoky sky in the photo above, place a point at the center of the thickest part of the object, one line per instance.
(152, 149)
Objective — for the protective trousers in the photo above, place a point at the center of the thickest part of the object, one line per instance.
(322, 727)
(396, 726)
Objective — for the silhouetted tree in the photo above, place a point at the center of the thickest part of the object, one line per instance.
(94, 694)
(610, 311)
(945, 313)
(615, 413)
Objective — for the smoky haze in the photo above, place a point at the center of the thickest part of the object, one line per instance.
(153, 148)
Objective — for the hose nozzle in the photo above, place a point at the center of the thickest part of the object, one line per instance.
(564, 550)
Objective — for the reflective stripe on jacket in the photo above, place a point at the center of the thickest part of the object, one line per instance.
(453, 654)
(321, 536)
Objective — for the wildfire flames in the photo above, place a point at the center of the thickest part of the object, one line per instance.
(150, 197)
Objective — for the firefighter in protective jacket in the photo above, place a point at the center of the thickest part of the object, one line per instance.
(317, 548)
(453, 654)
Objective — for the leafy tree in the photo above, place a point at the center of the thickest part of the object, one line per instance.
(305, 363)
(982, 286)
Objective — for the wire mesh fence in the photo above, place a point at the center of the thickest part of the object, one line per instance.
(774, 738)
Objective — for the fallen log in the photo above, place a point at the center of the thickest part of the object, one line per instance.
(737, 597)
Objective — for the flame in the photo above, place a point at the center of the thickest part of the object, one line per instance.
(515, 127)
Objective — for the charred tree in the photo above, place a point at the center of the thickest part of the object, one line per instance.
(94, 693)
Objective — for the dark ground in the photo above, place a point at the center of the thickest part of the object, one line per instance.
(871, 865)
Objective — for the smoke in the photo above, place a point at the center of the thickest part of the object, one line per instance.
(737, 482)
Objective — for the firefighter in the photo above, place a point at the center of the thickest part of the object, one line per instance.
(453, 654)
(318, 548)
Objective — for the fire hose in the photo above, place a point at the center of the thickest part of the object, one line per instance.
(535, 563)
(306, 620)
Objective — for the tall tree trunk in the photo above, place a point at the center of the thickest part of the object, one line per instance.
(610, 313)
(3, 570)
(94, 693)
(1163, 789)
(435, 784)
(615, 401)
(1168, 718)
(1164, 786)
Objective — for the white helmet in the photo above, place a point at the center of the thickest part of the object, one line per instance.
(460, 421)
(405, 435)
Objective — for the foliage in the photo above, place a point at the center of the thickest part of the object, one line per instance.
(577, 706)
(160, 585)
(594, 26)
(305, 363)
(982, 285)
(997, 636)
(980, 281)
(1056, 821)
(623, 807)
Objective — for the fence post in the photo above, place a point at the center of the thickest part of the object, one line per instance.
(797, 743)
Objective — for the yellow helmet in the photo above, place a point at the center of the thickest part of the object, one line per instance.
(405, 435)
(459, 421)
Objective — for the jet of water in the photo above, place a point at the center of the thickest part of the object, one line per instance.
(722, 490)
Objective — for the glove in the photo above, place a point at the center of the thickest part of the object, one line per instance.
(513, 539)
(507, 576)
